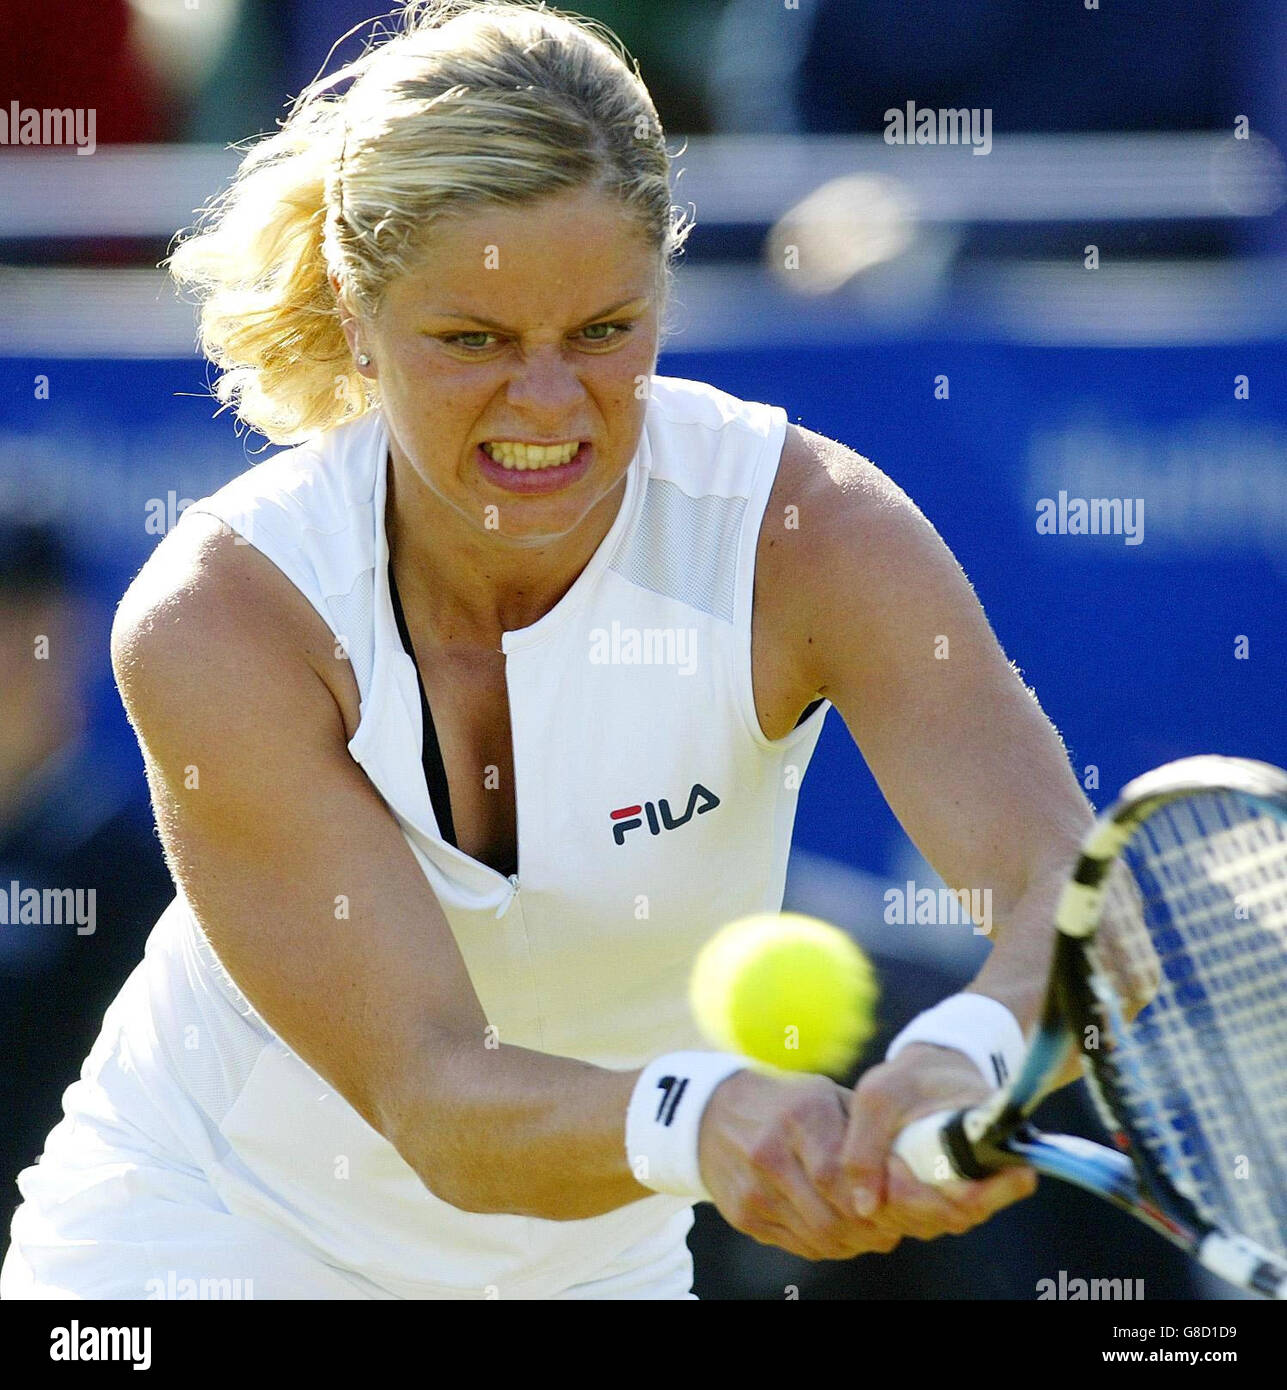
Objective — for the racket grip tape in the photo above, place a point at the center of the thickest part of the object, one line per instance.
(936, 1150)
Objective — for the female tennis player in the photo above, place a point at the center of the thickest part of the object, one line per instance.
(470, 718)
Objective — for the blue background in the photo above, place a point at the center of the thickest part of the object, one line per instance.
(1131, 649)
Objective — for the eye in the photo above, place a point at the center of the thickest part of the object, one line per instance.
(462, 340)
(610, 331)
(478, 341)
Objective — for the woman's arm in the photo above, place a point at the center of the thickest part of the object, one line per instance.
(893, 634)
(228, 677)
(235, 690)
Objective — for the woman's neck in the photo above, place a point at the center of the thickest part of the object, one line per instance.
(471, 586)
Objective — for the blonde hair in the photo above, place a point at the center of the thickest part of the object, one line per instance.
(502, 102)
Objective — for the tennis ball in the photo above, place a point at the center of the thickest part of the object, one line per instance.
(786, 990)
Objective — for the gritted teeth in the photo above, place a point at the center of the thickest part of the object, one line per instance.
(510, 454)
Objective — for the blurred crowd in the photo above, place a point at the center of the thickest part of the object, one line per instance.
(220, 70)
(67, 822)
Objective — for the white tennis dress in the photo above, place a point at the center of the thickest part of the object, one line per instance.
(651, 810)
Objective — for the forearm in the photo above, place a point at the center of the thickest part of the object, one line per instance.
(1017, 971)
(1017, 968)
(509, 1130)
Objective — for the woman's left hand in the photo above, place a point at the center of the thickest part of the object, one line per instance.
(921, 1080)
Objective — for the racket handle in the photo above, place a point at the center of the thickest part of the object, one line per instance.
(923, 1148)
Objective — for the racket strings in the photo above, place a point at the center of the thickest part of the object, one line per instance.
(1195, 921)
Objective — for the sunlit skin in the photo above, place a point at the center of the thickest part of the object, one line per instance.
(848, 607)
(548, 345)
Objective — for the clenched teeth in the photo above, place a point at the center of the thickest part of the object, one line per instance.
(524, 456)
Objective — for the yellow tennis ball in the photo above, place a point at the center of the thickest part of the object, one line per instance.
(787, 990)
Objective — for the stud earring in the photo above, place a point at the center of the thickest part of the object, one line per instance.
(363, 360)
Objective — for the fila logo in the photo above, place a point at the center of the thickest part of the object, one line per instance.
(627, 817)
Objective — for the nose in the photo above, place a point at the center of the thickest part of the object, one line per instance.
(545, 386)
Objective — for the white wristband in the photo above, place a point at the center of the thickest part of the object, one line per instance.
(665, 1115)
(982, 1028)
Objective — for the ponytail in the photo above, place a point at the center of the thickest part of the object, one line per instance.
(269, 317)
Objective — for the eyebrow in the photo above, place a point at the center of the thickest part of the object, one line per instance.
(501, 328)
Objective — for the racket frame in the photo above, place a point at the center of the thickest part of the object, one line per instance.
(997, 1134)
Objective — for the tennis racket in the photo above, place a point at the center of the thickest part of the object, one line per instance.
(1178, 903)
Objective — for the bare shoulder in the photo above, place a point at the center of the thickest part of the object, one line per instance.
(204, 611)
(839, 546)
(845, 502)
(823, 467)
(198, 589)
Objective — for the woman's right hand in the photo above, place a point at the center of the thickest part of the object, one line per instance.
(770, 1152)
